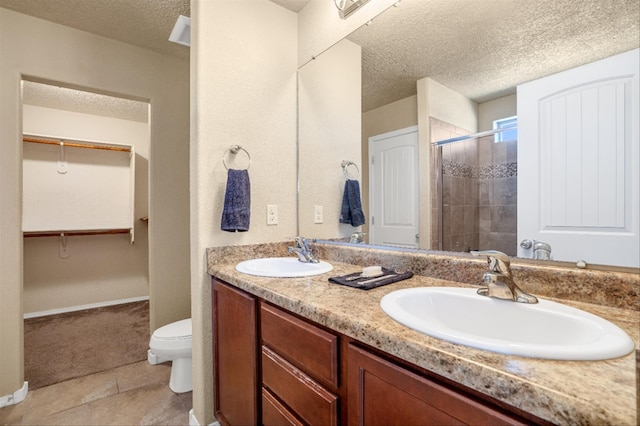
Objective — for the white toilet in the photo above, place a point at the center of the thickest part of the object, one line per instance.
(172, 342)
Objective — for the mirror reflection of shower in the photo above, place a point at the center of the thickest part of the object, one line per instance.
(474, 205)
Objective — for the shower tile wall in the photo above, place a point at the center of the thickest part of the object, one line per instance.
(478, 193)
(498, 183)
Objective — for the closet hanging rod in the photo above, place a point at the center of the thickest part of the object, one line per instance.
(76, 144)
(473, 136)
(75, 233)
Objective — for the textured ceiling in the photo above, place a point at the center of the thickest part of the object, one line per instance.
(484, 48)
(480, 48)
(49, 96)
(143, 23)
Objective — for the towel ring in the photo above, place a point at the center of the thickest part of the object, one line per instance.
(345, 168)
(234, 150)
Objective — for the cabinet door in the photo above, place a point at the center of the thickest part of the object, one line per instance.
(235, 356)
(383, 393)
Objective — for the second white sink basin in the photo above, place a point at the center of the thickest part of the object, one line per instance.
(283, 267)
(543, 330)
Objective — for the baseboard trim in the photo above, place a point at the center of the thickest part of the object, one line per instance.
(83, 307)
(194, 422)
(16, 397)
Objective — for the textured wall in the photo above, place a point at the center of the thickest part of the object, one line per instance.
(244, 70)
(451, 107)
(55, 53)
(496, 109)
(329, 132)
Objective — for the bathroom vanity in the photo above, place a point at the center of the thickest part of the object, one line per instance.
(294, 371)
(306, 351)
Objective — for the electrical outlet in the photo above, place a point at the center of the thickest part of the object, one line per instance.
(318, 215)
(272, 214)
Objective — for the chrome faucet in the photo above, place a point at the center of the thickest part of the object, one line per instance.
(541, 250)
(303, 251)
(357, 238)
(499, 279)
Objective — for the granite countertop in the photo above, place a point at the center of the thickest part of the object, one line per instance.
(562, 392)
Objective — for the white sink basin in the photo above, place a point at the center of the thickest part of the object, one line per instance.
(283, 267)
(543, 330)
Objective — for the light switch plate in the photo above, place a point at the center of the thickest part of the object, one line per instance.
(272, 214)
(318, 216)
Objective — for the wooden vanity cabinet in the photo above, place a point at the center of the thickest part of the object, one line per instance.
(276, 414)
(300, 367)
(273, 367)
(384, 393)
(235, 355)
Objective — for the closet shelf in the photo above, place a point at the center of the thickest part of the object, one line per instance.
(68, 191)
(76, 143)
(72, 233)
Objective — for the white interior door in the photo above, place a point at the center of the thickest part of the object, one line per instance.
(393, 188)
(578, 162)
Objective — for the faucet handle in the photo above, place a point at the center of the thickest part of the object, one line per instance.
(498, 261)
(302, 243)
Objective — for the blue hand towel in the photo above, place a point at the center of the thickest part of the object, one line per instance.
(237, 202)
(351, 211)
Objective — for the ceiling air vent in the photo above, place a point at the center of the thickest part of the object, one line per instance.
(181, 33)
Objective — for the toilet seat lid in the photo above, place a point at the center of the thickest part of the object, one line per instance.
(175, 330)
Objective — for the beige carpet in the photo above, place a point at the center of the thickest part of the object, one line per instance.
(66, 346)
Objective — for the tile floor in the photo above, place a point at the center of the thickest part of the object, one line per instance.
(135, 394)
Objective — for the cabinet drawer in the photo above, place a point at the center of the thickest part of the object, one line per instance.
(311, 401)
(304, 345)
(276, 414)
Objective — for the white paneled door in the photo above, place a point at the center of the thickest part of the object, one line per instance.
(578, 160)
(393, 188)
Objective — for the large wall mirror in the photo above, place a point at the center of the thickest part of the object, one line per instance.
(449, 69)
